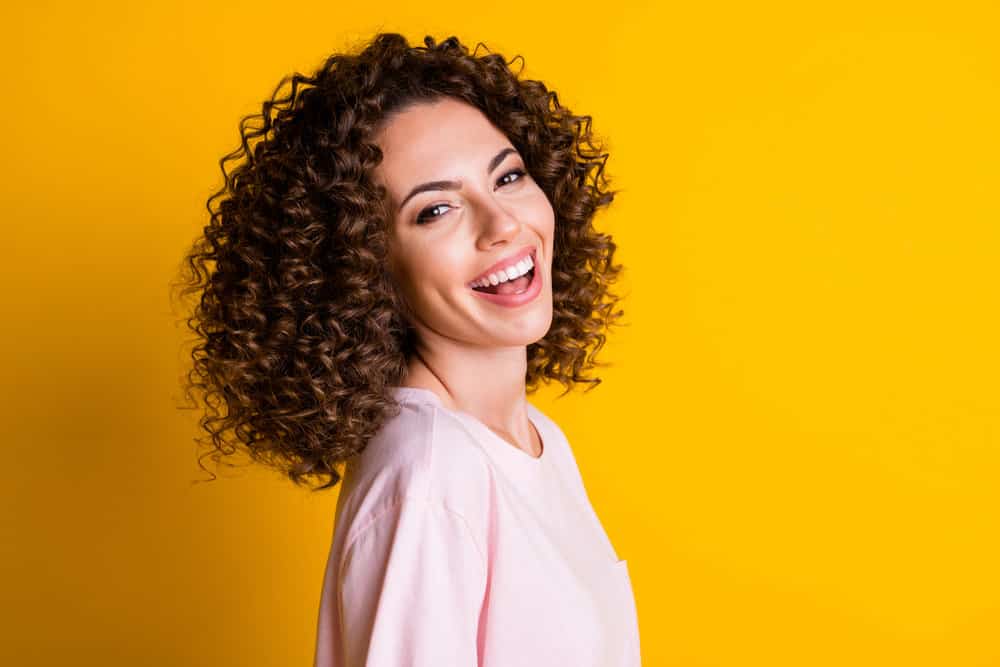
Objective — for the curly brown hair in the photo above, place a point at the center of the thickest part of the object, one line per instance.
(301, 332)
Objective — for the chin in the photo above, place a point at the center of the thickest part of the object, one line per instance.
(537, 328)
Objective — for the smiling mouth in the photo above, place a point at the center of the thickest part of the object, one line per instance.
(516, 286)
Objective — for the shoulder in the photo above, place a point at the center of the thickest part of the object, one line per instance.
(421, 454)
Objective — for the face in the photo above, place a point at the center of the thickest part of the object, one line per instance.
(445, 236)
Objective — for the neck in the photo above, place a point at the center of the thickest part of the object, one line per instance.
(485, 383)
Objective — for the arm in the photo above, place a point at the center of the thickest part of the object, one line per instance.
(412, 584)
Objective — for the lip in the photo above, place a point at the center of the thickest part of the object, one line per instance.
(507, 261)
(514, 300)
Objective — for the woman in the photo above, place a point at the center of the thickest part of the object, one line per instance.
(402, 257)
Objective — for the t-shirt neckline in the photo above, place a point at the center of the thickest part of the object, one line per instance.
(509, 451)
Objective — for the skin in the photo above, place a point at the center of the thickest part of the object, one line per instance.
(472, 353)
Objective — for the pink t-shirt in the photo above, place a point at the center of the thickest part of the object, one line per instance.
(453, 548)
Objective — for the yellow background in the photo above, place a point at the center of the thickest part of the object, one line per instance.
(795, 446)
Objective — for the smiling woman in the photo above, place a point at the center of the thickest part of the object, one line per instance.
(494, 221)
(403, 251)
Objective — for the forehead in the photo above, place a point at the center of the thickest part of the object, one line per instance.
(433, 139)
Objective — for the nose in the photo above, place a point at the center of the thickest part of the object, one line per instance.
(495, 223)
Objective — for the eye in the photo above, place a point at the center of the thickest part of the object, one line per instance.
(518, 172)
(424, 215)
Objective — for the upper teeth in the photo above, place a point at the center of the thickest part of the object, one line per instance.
(503, 275)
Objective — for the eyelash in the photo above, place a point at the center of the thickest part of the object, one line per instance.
(421, 216)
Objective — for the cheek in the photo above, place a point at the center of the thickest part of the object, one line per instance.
(543, 213)
(402, 266)
(426, 279)
(401, 274)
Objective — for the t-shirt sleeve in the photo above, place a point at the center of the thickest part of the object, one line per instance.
(412, 585)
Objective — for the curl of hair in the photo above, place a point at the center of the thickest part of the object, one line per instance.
(300, 332)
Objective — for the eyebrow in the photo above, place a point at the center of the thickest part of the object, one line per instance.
(455, 185)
